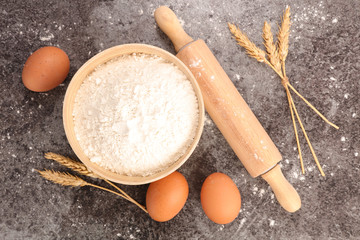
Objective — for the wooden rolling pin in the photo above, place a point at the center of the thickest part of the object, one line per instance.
(229, 111)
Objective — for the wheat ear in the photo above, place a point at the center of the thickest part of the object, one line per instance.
(66, 179)
(251, 49)
(69, 163)
(283, 36)
(271, 47)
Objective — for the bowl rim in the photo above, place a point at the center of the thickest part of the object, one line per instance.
(89, 67)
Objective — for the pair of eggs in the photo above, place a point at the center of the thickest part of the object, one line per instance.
(220, 197)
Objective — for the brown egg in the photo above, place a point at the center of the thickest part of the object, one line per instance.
(166, 197)
(45, 69)
(220, 198)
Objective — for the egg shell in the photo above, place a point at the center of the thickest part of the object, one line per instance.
(166, 197)
(45, 69)
(220, 198)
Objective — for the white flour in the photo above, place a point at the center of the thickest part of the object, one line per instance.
(135, 115)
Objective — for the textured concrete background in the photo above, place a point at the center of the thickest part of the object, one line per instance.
(323, 64)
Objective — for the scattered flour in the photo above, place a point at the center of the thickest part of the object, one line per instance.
(181, 21)
(261, 192)
(242, 221)
(272, 222)
(208, 121)
(47, 37)
(135, 114)
(195, 63)
(255, 189)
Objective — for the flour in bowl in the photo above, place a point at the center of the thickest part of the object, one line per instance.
(136, 114)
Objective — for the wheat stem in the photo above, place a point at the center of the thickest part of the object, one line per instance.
(278, 72)
(124, 193)
(295, 130)
(119, 194)
(306, 137)
(312, 107)
(283, 68)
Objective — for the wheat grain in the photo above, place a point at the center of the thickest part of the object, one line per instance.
(271, 49)
(69, 163)
(64, 179)
(251, 49)
(283, 36)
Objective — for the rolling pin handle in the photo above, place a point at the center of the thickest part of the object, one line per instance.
(170, 25)
(285, 193)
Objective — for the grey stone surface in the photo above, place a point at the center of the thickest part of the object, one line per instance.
(323, 64)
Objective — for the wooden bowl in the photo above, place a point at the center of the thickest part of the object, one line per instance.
(77, 80)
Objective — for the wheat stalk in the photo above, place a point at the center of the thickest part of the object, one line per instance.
(277, 54)
(82, 169)
(66, 179)
(271, 49)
